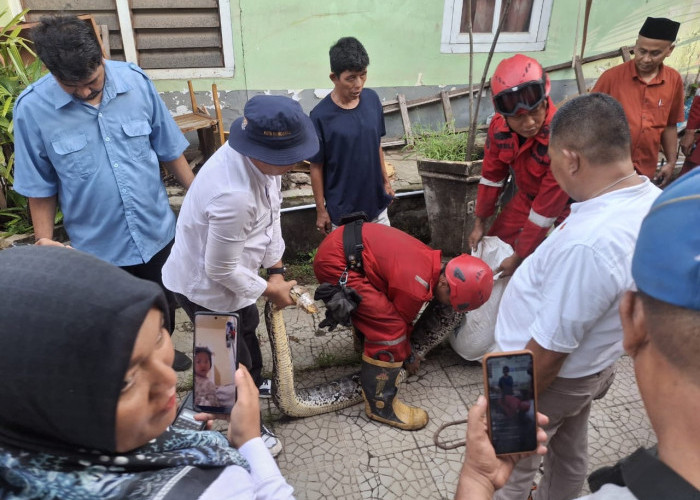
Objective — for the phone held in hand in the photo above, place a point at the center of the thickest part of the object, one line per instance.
(215, 361)
(185, 416)
(509, 380)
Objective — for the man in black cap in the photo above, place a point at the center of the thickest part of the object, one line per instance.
(229, 224)
(652, 97)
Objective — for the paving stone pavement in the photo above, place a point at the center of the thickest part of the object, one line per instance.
(344, 455)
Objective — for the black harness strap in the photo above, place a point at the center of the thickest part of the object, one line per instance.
(352, 243)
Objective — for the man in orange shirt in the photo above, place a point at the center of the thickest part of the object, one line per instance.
(652, 97)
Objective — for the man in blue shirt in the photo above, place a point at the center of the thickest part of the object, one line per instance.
(89, 137)
(348, 173)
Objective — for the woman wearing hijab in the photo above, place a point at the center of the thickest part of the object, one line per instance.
(88, 393)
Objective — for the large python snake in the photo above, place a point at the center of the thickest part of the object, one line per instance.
(434, 325)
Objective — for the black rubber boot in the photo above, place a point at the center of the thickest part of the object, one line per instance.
(379, 388)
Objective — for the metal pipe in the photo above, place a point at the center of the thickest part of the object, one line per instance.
(405, 194)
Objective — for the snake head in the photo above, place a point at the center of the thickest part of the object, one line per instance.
(303, 299)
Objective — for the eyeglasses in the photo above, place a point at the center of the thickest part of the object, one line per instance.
(524, 97)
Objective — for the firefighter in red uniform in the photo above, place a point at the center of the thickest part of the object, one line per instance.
(691, 138)
(517, 142)
(399, 274)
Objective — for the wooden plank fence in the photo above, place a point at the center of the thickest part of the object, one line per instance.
(401, 105)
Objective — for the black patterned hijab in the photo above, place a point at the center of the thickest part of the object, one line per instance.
(68, 324)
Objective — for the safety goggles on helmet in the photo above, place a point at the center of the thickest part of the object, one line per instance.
(525, 97)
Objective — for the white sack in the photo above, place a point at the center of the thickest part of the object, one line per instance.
(474, 337)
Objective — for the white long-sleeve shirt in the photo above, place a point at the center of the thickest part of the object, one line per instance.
(264, 482)
(229, 226)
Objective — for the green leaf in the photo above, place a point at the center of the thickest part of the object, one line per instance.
(15, 75)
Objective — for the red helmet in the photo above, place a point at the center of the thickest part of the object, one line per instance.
(471, 282)
(519, 83)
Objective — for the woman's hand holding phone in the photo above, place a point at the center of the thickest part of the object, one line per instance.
(245, 415)
(244, 419)
(483, 472)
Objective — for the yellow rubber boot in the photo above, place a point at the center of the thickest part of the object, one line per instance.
(379, 388)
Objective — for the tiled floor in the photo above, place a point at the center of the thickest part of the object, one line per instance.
(345, 455)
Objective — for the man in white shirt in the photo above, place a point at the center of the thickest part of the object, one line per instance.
(562, 302)
(661, 323)
(229, 224)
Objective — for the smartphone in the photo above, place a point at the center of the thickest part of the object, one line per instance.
(185, 416)
(509, 380)
(215, 361)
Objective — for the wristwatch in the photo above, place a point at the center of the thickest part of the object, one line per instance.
(276, 270)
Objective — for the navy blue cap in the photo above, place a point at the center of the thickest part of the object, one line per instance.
(666, 263)
(274, 129)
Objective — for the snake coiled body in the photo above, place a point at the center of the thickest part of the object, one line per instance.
(434, 325)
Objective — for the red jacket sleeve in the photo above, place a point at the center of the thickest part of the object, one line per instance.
(694, 115)
(493, 173)
(549, 203)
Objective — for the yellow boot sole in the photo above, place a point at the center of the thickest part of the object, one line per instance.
(415, 418)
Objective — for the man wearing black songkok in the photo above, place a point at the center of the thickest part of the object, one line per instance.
(652, 97)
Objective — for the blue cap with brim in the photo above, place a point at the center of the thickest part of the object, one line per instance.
(274, 129)
(666, 263)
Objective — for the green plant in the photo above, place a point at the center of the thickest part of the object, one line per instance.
(20, 67)
(441, 144)
(330, 360)
(301, 268)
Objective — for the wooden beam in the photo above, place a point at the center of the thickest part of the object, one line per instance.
(402, 105)
(625, 53)
(447, 109)
(405, 119)
(193, 99)
(104, 32)
(588, 59)
(392, 142)
(580, 80)
(393, 105)
(217, 109)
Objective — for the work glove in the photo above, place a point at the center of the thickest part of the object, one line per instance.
(340, 302)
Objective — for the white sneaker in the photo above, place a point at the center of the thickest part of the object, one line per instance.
(274, 445)
(265, 389)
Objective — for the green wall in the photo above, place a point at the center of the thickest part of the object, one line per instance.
(284, 44)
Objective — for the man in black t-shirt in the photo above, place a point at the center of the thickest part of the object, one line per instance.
(348, 173)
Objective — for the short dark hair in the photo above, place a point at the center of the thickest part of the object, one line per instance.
(348, 54)
(675, 331)
(205, 350)
(67, 46)
(595, 126)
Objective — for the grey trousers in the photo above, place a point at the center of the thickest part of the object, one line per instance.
(567, 403)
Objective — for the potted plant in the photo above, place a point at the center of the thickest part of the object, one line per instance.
(449, 184)
(20, 67)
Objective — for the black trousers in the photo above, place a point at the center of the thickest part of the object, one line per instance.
(249, 353)
(151, 271)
